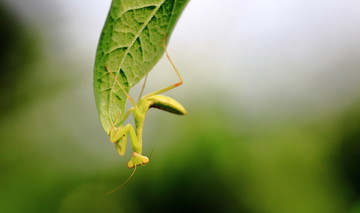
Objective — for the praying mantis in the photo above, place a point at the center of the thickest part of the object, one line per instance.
(118, 134)
(132, 41)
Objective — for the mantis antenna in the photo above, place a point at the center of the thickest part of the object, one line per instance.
(123, 184)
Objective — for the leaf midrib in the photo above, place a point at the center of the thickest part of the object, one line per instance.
(128, 49)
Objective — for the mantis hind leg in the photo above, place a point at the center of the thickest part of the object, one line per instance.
(180, 82)
(118, 135)
(143, 87)
(154, 100)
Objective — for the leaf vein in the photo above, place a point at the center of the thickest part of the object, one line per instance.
(128, 50)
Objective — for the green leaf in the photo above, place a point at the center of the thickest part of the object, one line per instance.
(130, 45)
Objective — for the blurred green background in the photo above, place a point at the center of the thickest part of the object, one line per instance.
(273, 94)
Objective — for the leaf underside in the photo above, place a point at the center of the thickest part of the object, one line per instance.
(130, 45)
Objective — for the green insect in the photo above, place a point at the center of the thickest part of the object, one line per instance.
(131, 43)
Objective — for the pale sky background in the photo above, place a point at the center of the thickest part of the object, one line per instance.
(259, 55)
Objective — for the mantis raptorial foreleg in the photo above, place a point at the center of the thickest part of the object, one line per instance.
(118, 135)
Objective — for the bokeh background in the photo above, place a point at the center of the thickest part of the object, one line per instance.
(273, 94)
